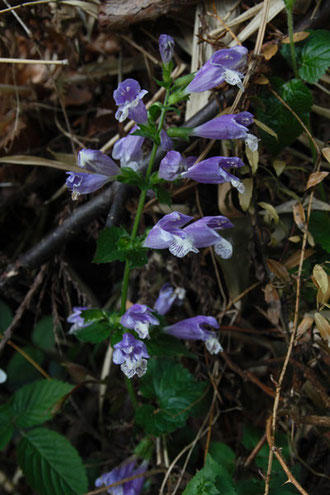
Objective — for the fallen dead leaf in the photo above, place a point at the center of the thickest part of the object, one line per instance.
(299, 36)
(316, 178)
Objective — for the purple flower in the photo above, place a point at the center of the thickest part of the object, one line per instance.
(204, 233)
(128, 97)
(139, 317)
(214, 171)
(165, 141)
(194, 329)
(77, 320)
(173, 165)
(122, 472)
(167, 233)
(95, 161)
(130, 353)
(167, 297)
(129, 150)
(166, 47)
(219, 68)
(229, 126)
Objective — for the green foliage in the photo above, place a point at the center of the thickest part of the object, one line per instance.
(43, 335)
(289, 4)
(114, 244)
(94, 333)
(314, 56)
(51, 464)
(212, 479)
(34, 404)
(274, 114)
(176, 393)
(20, 371)
(6, 426)
(224, 456)
(6, 316)
(155, 111)
(166, 345)
(319, 225)
(130, 176)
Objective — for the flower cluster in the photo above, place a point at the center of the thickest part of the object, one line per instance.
(168, 233)
(77, 321)
(139, 317)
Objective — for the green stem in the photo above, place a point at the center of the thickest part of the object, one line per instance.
(292, 48)
(141, 205)
(131, 393)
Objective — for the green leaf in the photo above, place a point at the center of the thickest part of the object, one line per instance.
(213, 479)
(163, 196)
(6, 316)
(6, 426)
(20, 371)
(94, 333)
(43, 334)
(107, 245)
(137, 257)
(223, 455)
(155, 111)
(130, 176)
(319, 225)
(176, 393)
(166, 345)
(274, 114)
(314, 58)
(51, 464)
(34, 404)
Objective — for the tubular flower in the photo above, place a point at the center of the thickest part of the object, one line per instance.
(122, 472)
(167, 297)
(129, 150)
(77, 320)
(194, 329)
(230, 126)
(132, 356)
(139, 317)
(204, 233)
(166, 47)
(104, 169)
(165, 141)
(219, 68)
(214, 171)
(173, 164)
(167, 233)
(128, 97)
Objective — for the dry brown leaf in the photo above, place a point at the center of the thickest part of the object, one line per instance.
(41, 162)
(265, 128)
(320, 278)
(253, 158)
(272, 298)
(299, 36)
(295, 238)
(304, 326)
(294, 260)
(279, 166)
(326, 153)
(299, 216)
(270, 210)
(269, 50)
(261, 79)
(245, 197)
(278, 269)
(323, 327)
(316, 178)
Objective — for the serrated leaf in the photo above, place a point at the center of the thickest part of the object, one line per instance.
(176, 393)
(43, 334)
(51, 464)
(212, 479)
(275, 115)
(6, 426)
(314, 58)
(107, 245)
(223, 455)
(33, 404)
(166, 345)
(94, 333)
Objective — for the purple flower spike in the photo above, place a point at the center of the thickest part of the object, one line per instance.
(165, 141)
(167, 297)
(77, 320)
(132, 355)
(139, 317)
(204, 233)
(128, 98)
(172, 165)
(167, 233)
(80, 183)
(213, 171)
(166, 47)
(98, 162)
(221, 67)
(194, 329)
(122, 472)
(129, 150)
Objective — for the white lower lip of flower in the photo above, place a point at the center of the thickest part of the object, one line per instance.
(238, 185)
(252, 142)
(3, 376)
(142, 329)
(213, 345)
(130, 368)
(233, 78)
(223, 248)
(180, 247)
